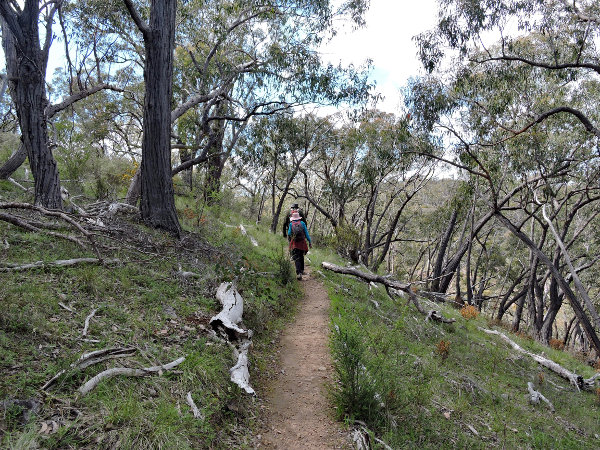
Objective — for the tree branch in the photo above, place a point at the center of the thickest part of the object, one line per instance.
(142, 26)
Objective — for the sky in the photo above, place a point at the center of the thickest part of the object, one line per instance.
(387, 40)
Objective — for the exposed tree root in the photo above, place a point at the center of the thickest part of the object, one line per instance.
(390, 285)
(126, 371)
(576, 380)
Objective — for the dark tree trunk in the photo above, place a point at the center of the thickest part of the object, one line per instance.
(214, 167)
(545, 332)
(437, 271)
(26, 68)
(584, 320)
(157, 201)
(13, 163)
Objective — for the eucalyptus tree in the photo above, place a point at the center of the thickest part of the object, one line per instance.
(521, 115)
(26, 51)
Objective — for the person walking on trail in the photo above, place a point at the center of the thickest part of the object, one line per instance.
(299, 242)
(286, 222)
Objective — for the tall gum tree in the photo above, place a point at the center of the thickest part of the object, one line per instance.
(157, 202)
(26, 63)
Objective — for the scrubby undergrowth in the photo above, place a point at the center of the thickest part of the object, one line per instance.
(140, 302)
(419, 384)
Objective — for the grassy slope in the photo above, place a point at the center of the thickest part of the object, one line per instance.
(141, 303)
(396, 381)
(391, 375)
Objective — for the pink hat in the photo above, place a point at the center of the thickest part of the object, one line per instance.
(295, 216)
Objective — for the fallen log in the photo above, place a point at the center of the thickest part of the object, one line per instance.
(390, 285)
(126, 371)
(58, 263)
(226, 323)
(575, 379)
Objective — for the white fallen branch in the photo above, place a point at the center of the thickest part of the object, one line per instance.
(239, 373)
(128, 372)
(184, 274)
(226, 322)
(95, 357)
(245, 233)
(86, 324)
(58, 263)
(536, 396)
(190, 401)
(576, 380)
(62, 305)
(19, 185)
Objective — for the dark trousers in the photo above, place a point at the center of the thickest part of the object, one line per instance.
(298, 257)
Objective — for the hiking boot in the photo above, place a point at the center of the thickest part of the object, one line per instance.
(299, 276)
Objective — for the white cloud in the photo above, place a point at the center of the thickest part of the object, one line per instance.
(387, 41)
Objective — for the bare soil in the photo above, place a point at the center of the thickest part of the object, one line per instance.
(298, 413)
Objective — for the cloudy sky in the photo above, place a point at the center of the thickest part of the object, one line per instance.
(387, 40)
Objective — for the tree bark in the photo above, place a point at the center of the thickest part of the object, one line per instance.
(26, 66)
(13, 163)
(437, 271)
(157, 201)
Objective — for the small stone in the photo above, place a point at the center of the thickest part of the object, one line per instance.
(322, 369)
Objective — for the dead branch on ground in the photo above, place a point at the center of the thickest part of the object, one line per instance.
(575, 379)
(536, 396)
(91, 358)
(58, 263)
(389, 284)
(128, 372)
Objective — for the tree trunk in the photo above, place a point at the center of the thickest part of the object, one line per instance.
(564, 286)
(157, 202)
(437, 271)
(13, 163)
(26, 68)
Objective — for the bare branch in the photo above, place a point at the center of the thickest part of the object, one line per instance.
(142, 26)
(51, 110)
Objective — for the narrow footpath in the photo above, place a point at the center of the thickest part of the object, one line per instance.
(297, 409)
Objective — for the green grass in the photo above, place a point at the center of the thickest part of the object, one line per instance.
(135, 302)
(392, 377)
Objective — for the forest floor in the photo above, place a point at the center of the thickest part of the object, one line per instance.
(298, 412)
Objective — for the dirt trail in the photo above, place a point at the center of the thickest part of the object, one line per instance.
(298, 413)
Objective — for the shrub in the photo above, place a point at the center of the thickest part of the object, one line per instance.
(442, 348)
(285, 272)
(469, 312)
(356, 395)
(557, 344)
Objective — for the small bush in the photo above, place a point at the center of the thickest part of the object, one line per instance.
(557, 344)
(442, 348)
(469, 312)
(285, 272)
(356, 396)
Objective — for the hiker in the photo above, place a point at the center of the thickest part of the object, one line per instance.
(286, 222)
(298, 237)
